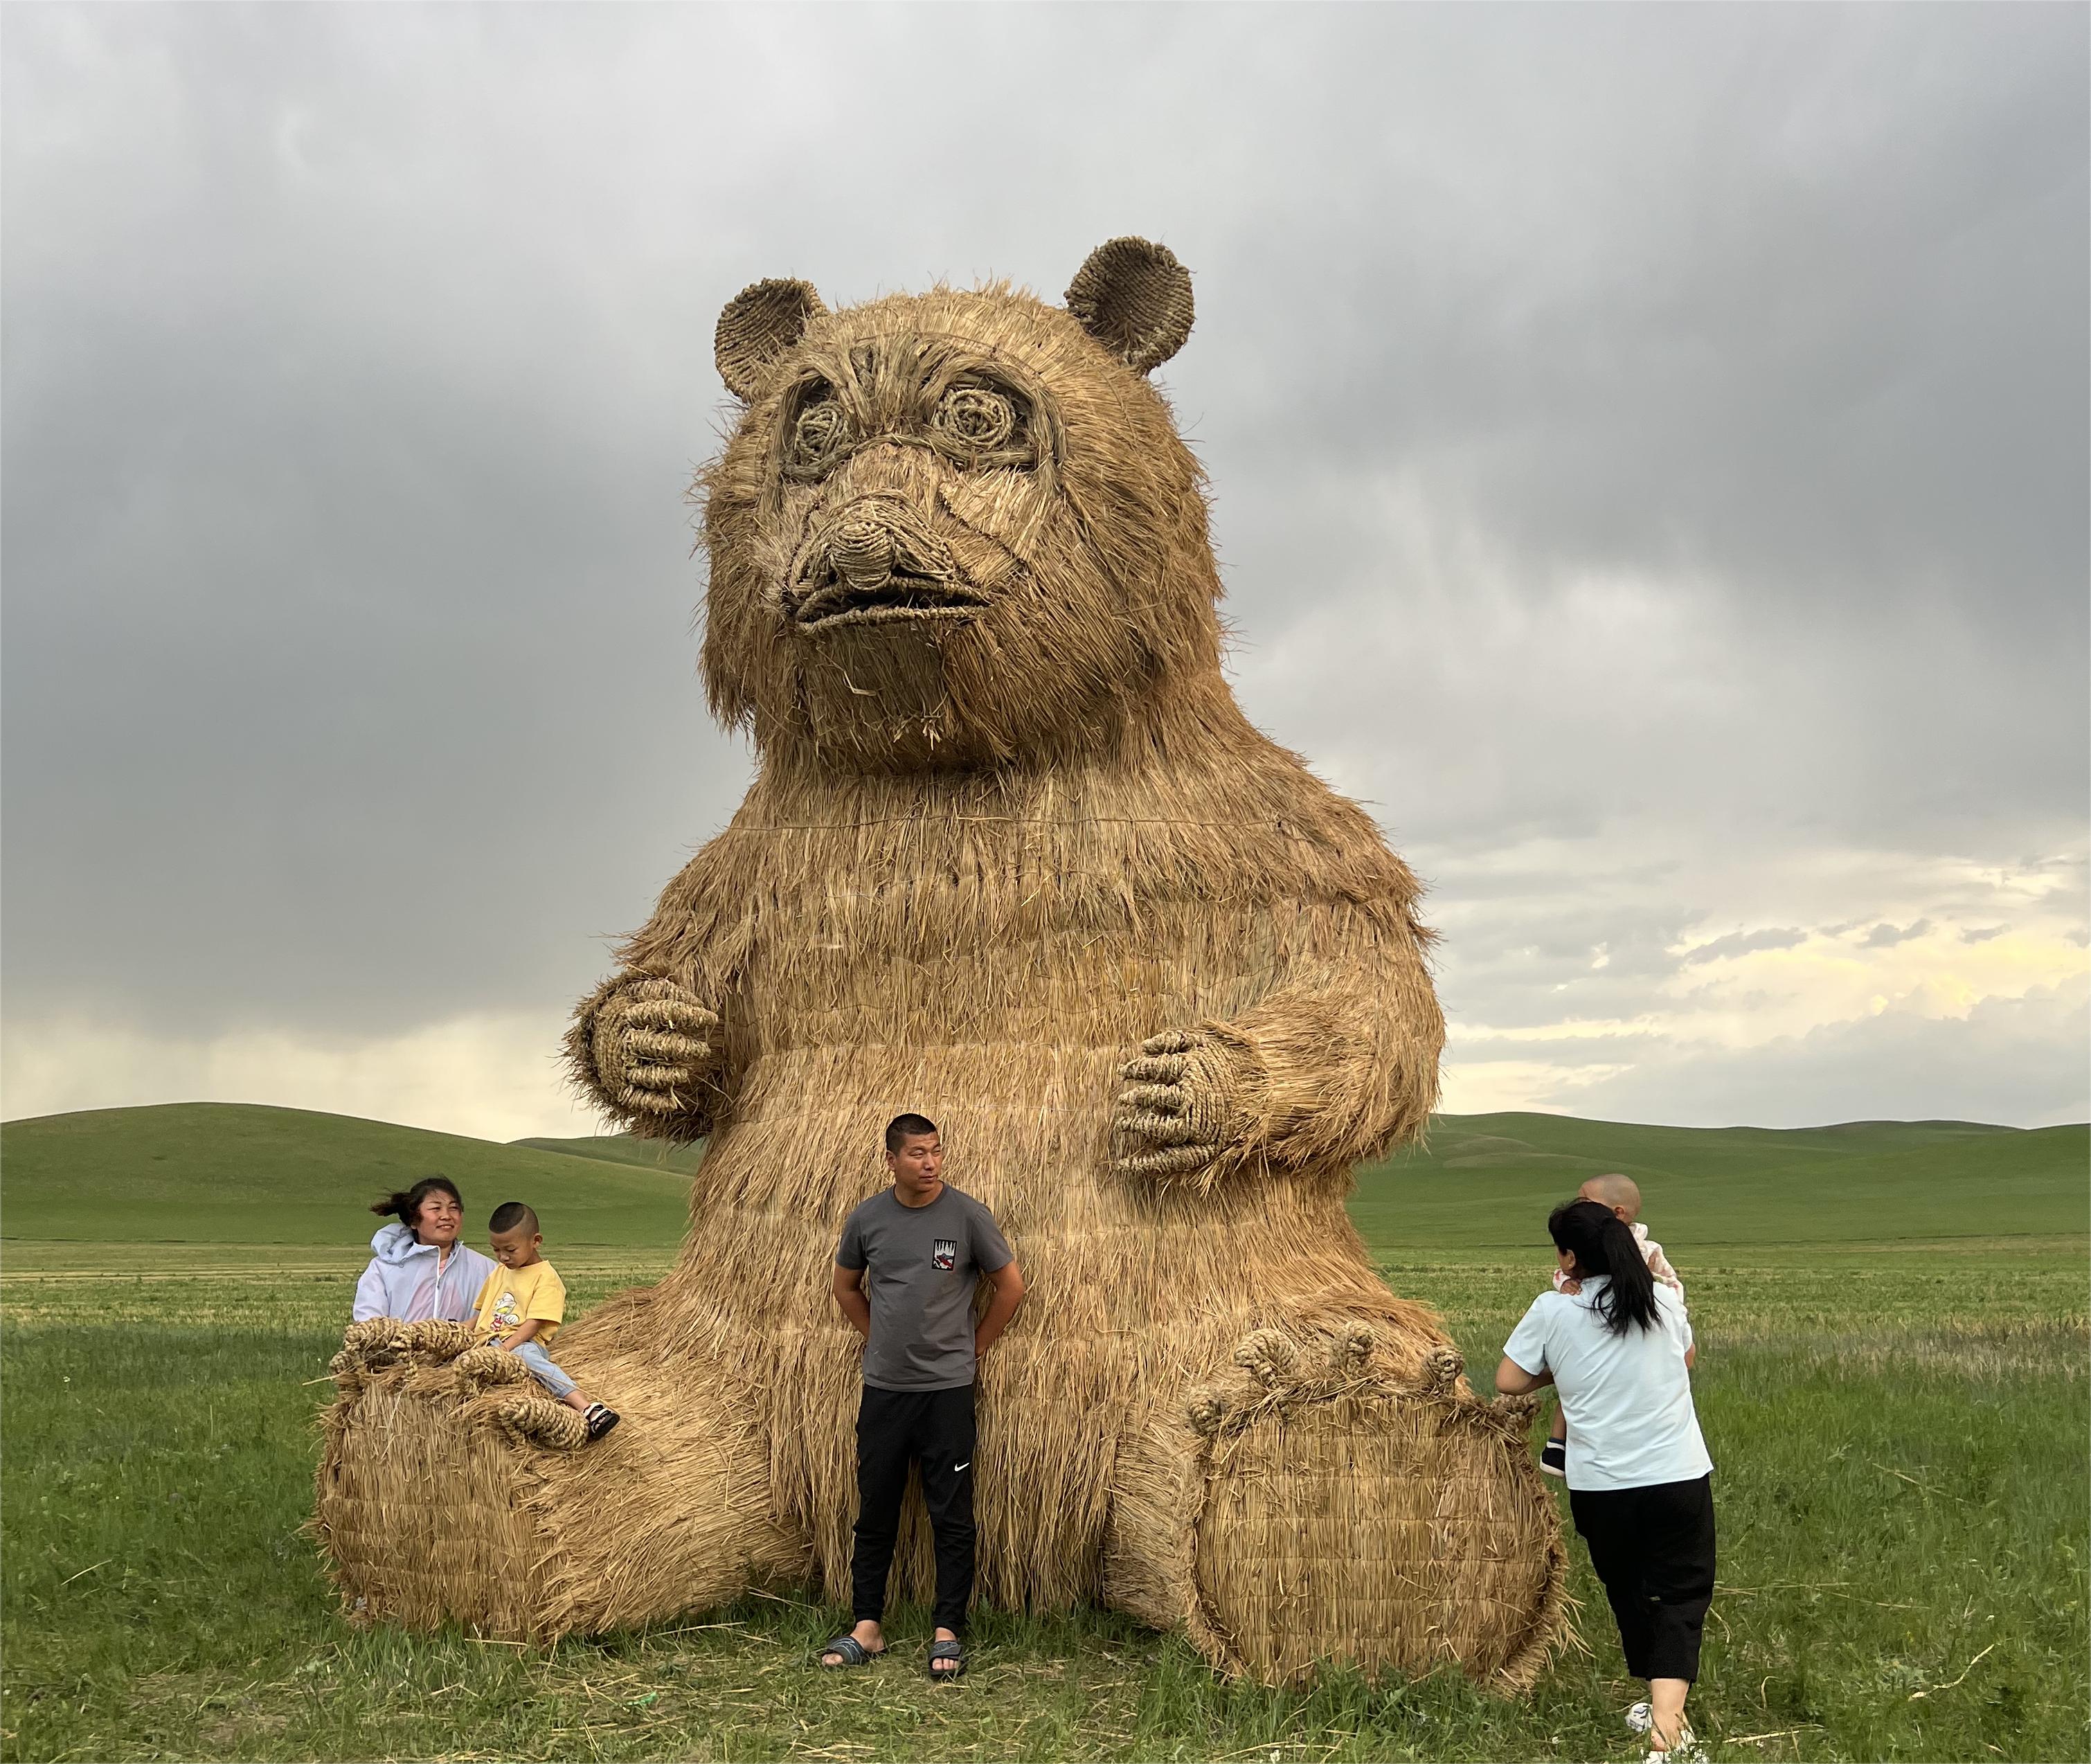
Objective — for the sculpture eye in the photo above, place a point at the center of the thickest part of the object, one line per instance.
(980, 422)
(818, 430)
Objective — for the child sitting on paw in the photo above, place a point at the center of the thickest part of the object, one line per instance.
(521, 1305)
(1622, 1196)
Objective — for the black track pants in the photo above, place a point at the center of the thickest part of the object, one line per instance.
(1654, 1549)
(934, 1427)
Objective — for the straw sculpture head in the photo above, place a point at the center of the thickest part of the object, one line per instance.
(947, 534)
(1013, 859)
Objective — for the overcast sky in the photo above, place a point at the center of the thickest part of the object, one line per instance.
(1648, 445)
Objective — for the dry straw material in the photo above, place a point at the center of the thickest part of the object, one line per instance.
(1013, 859)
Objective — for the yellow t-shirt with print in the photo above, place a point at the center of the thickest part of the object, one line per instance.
(511, 1296)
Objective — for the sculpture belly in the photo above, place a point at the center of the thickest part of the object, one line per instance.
(1008, 1029)
(1026, 1129)
(1131, 1292)
(776, 1182)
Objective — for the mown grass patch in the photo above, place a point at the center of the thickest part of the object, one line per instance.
(1902, 1490)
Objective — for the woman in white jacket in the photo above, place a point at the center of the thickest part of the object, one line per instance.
(418, 1269)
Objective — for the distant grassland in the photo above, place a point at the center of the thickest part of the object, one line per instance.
(239, 1173)
(1899, 1418)
(1488, 1179)
(242, 1174)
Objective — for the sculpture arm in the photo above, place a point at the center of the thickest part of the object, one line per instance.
(1331, 1068)
(648, 1046)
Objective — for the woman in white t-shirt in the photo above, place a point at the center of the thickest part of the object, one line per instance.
(1618, 1347)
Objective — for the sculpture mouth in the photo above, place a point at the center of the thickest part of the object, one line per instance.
(832, 604)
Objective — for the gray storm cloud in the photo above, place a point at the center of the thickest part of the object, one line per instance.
(1649, 450)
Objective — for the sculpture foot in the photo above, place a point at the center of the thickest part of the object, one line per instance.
(1323, 1504)
(452, 1489)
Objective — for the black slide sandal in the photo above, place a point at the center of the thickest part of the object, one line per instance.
(946, 1650)
(853, 1653)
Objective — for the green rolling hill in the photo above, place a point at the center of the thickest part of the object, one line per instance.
(622, 1149)
(241, 1173)
(1489, 1179)
(236, 1174)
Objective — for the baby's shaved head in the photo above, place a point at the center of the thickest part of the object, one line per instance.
(1617, 1191)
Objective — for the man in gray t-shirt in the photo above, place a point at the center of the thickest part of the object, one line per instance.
(911, 1260)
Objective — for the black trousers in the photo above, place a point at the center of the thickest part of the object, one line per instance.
(1654, 1549)
(934, 1429)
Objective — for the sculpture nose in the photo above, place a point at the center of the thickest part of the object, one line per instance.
(861, 547)
(878, 537)
(878, 559)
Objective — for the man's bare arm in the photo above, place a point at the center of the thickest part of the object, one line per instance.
(849, 1294)
(1005, 1292)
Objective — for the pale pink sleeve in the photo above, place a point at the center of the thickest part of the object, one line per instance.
(1659, 1264)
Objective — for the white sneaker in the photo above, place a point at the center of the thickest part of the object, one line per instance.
(1688, 1750)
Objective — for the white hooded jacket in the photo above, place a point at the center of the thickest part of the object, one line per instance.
(403, 1281)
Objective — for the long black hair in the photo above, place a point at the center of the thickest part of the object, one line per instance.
(1600, 1245)
(407, 1203)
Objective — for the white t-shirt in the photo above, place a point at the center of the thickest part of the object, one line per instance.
(1628, 1398)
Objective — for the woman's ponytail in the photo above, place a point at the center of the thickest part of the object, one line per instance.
(1600, 1245)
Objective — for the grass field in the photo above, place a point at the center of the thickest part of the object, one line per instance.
(1899, 1420)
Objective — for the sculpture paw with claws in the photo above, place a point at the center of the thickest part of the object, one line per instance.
(1180, 1113)
(652, 1047)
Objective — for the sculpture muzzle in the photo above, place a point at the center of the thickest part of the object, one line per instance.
(878, 560)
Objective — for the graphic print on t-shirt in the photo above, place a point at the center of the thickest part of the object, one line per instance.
(944, 1252)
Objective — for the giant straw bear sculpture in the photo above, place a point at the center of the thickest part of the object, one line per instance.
(1013, 859)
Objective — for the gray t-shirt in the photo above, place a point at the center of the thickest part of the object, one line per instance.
(922, 1264)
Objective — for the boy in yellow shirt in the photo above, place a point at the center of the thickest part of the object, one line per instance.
(519, 1306)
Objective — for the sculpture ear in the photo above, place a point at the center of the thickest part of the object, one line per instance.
(1135, 298)
(759, 323)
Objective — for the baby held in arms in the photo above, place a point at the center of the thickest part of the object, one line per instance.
(1622, 1196)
